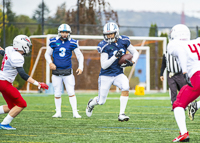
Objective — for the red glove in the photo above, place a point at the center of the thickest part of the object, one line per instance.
(44, 85)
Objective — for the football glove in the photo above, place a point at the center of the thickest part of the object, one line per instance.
(128, 63)
(119, 54)
(187, 79)
(44, 85)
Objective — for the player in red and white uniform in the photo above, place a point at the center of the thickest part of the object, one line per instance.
(188, 53)
(12, 64)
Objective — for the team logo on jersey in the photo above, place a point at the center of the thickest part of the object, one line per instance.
(58, 44)
(111, 48)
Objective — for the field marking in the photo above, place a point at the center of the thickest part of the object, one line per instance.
(68, 133)
(141, 98)
(20, 135)
(137, 128)
(22, 141)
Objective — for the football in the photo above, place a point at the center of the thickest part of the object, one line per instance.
(122, 60)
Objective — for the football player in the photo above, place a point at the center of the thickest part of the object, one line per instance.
(111, 49)
(12, 64)
(188, 53)
(61, 48)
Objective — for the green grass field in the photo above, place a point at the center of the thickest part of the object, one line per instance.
(151, 121)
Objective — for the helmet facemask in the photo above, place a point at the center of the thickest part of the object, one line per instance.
(110, 28)
(64, 28)
(110, 40)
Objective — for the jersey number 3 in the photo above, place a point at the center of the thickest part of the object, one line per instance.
(62, 52)
(195, 50)
(4, 61)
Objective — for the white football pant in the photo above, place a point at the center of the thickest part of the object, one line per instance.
(69, 82)
(105, 82)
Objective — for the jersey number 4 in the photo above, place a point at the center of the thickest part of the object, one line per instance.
(4, 61)
(195, 50)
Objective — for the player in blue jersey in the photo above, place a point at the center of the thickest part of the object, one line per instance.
(111, 49)
(61, 48)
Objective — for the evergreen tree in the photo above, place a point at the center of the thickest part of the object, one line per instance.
(153, 30)
(27, 32)
(38, 13)
(9, 13)
(38, 31)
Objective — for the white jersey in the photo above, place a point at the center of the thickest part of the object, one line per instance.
(11, 60)
(188, 53)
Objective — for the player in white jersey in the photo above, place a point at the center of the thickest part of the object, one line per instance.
(111, 49)
(61, 48)
(12, 64)
(188, 53)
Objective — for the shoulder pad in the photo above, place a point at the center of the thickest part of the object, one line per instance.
(101, 46)
(73, 41)
(124, 37)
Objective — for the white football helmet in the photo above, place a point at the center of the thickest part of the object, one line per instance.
(179, 32)
(64, 27)
(110, 28)
(22, 43)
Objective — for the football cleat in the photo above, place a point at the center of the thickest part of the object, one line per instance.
(192, 109)
(57, 115)
(76, 115)
(89, 109)
(182, 138)
(6, 127)
(123, 117)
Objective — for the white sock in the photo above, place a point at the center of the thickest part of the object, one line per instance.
(123, 103)
(93, 102)
(179, 114)
(1, 110)
(58, 105)
(73, 103)
(198, 104)
(7, 120)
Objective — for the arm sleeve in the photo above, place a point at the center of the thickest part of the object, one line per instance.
(79, 57)
(134, 52)
(163, 65)
(105, 62)
(22, 73)
(48, 54)
(2, 52)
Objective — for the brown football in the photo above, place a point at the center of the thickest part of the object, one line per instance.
(126, 56)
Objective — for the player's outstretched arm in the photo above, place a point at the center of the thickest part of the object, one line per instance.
(26, 77)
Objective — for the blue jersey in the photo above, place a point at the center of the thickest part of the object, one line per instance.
(104, 47)
(62, 52)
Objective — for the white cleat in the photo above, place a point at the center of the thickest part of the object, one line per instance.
(123, 117)
(57, 115)
(76, 115)
(89, 109)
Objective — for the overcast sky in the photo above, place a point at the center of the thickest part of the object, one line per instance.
(191, 7)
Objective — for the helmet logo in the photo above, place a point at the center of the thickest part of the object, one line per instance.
(26, 39)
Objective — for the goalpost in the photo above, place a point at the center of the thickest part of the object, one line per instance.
(143, 51)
